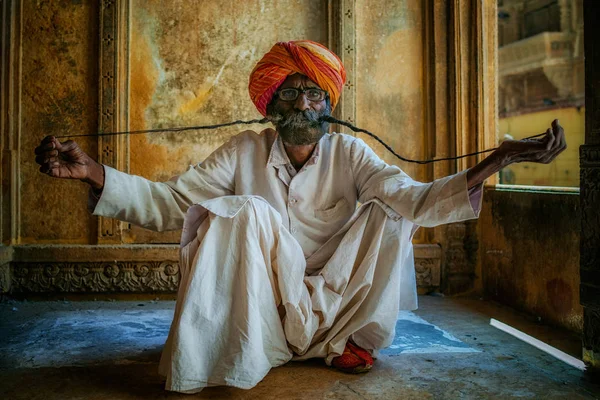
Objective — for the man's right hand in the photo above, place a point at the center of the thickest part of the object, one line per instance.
(67, 160)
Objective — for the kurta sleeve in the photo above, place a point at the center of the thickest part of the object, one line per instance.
(442, 201)
(162, 206)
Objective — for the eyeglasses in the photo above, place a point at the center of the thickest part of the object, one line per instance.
(291, 94)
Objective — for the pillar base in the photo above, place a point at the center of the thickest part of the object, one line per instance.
(591, 359)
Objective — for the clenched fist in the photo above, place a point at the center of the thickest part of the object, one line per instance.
(67, 160)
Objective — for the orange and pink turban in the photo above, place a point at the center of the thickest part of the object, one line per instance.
(305, 57)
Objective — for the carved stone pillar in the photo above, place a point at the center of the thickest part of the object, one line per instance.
(472, 122)
(342, 40)
(112, 116)
(561, 77)
(565, 15)
(590, 191)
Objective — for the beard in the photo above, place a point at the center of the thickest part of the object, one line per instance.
(300, 127)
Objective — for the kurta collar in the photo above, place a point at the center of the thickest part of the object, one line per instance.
(278, 156)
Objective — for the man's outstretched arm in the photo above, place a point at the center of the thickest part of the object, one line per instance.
(67, 160)
(153, 205)
(543, 150)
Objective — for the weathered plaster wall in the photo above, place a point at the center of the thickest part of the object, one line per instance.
(190, 66)
(529, 249)
(59, 96)
(390, 79)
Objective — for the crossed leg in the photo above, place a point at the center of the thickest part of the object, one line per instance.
(245, 304)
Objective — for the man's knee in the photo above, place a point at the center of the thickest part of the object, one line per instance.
(259, 207)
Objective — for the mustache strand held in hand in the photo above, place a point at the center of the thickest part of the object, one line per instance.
(322, 119)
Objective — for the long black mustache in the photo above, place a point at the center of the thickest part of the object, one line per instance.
(305, 117)
(307, 114)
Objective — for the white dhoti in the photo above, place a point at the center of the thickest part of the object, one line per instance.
(253, 294)
(249, 301)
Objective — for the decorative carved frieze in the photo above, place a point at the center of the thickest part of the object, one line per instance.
(139, 269)
(428, 272)
(81, 277)
(135, 277)
(456, 256)
(428, 265)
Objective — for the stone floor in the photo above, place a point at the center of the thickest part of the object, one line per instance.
(110, 350)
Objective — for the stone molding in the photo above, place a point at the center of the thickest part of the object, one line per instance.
(590, 221)
(95, 269)
(136, 268)
(589, 156)
(11, 20)
(96, 277)
(428, 264)
(342, 40)
(112, 98)
(543, 50)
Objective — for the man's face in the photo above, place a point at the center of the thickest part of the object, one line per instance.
(297, 121)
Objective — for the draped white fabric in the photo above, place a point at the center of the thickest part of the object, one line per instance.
(278, 263)
(245, 304)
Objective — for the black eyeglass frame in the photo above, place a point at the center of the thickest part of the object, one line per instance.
(323, 94)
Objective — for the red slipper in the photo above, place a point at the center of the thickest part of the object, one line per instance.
(354, 360)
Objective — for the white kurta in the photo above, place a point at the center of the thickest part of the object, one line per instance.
(277, 264)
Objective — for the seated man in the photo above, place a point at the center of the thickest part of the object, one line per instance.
(276, 260)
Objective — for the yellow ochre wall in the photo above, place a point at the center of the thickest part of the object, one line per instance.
(564, 171)
(189, 66)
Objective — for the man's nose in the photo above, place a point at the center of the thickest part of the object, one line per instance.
(301, 102)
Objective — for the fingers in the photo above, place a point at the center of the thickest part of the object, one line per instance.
(47, 155)
(559, 146)
(560, 134)
(549, 139)
(65, 146)
(53, 171)
(49, 149)
(48, 143)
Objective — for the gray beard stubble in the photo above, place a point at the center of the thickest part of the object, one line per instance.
(300, 127)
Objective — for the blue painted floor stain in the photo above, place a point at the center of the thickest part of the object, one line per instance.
(415, 335)
(110, 336)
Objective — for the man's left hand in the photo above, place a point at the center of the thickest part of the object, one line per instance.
(540, 150)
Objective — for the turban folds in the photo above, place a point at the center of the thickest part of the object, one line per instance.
(305, 57)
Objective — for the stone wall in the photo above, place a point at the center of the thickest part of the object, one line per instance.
(80, 67)
(529, 253)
